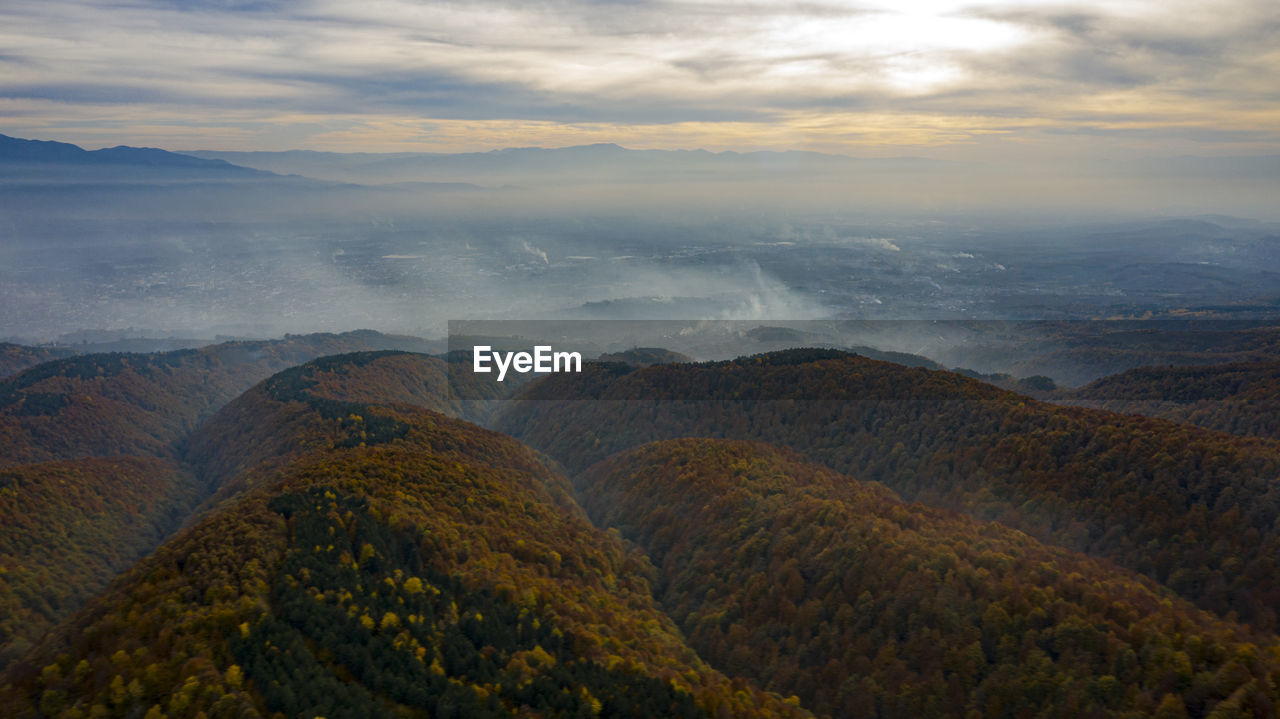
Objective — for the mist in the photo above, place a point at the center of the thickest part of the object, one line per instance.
(262, 244)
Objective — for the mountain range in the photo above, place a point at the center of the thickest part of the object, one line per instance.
(582, 163)
(13, 149)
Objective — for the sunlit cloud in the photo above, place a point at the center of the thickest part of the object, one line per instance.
(864, 78)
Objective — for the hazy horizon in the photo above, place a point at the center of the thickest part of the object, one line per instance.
(978, 161)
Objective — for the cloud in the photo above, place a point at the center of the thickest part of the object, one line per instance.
(824, 75)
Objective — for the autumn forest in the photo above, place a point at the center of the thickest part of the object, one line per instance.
(317, 527)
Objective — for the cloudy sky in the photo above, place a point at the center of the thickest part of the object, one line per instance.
(931, 77)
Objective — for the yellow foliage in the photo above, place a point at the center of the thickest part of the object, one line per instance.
(234, 676)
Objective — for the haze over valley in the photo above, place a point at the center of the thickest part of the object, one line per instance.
(146, 243)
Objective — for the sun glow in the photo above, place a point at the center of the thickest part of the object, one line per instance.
(324, 74)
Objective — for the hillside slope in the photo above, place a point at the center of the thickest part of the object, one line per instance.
(70, 526)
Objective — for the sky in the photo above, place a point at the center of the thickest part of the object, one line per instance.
(935, 78)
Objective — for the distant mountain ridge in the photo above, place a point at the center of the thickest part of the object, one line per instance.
(580, 161)
(14, 149)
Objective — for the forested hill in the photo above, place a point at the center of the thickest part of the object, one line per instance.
(815, 584)
(142, 404)
(1241, 399)
(70, 522)
(357, 551)
(280, 416)
(1193, 509)
(804, 373)
(409, 564)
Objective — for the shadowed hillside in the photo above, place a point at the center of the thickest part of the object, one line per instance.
(70, 526)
